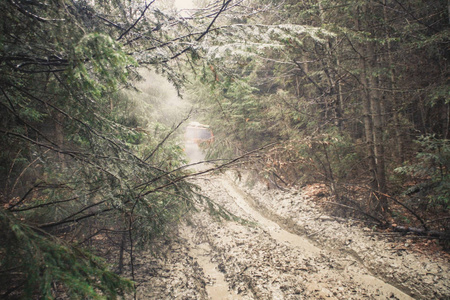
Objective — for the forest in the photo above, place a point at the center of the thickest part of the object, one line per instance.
(351, 95)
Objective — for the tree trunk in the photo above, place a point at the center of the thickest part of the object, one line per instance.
(378, 144)
(373, 123)
(368, 125)
(59, 136)
(399, 153)
(122, 250)
(340, 100)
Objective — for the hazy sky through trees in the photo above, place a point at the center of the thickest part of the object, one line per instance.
(184, 4)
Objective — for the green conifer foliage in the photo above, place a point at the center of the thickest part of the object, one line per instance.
(343, 100)
(81, 168)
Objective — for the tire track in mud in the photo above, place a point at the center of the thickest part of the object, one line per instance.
(303, 243)
(212, 258)
(389, 258)
(217, 287)
(287, 250)
(299, 271)
(273, 228)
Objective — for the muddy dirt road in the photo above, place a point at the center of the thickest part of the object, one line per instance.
(282, 247)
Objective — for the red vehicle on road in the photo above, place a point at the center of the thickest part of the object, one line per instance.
(199, 133)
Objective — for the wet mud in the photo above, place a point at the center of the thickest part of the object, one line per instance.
(286, 249)
(279, 245)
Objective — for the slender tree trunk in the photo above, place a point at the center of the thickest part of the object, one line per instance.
(377, 105)
(399, 152)
(447, 121)
(335, 88)
(378, 143)
(398, 137)
(373, 121)
(368, 125)
(122, 250)
(448, 11)
(59, 136)
(340, 100)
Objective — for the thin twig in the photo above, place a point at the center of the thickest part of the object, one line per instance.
(406, 207)
(137, 21)
(167, 136)
(355, 209)
(201, 172)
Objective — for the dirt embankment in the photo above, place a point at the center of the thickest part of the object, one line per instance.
(288, 249)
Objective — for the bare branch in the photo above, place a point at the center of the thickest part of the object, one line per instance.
(167, 136)
(137, 21)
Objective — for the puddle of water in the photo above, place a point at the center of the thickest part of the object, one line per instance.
(218, 289)
(272, 228)
(380, 289)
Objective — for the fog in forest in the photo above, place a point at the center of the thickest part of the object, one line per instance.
(241, 149)
(157, 100)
